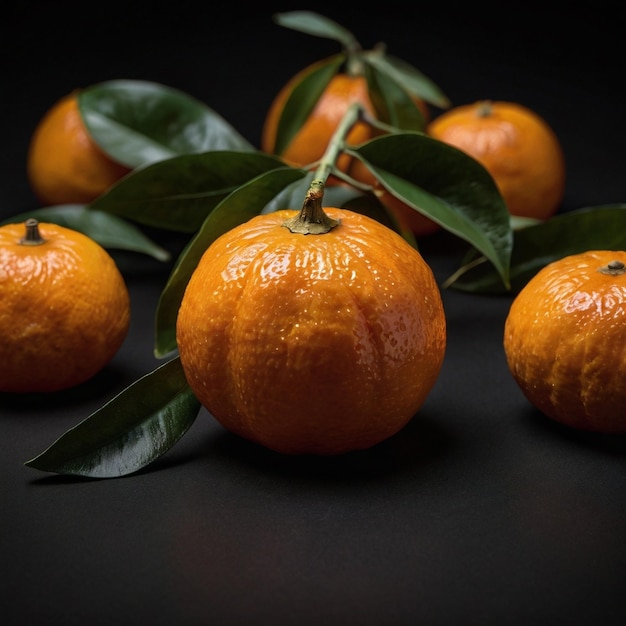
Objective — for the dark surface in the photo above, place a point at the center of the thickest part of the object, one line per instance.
(480, 512)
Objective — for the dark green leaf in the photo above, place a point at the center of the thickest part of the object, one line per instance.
(303, 98)
(244, 203)
(129, 432)
(109, 231)
(394, 105)
(402, 73)
(591, 228)
(139, 122)
(292, 195)
(368, 204)
(446, 185)
(177, 194)
(317, 25)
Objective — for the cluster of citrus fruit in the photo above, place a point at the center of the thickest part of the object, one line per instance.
(516, 146)
(331, 342)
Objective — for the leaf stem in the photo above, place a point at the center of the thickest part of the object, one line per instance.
(463, 270)
(337, 142)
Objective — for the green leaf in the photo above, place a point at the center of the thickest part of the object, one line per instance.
(140, 122)
(315, 24)
(368, 204)
(402, 73)
(292, 195)
(446, 185)
(394, 105)
(129, 432)
(302, 99)
(109, 231)
(590, 228)
(244, 203)
(178, 193)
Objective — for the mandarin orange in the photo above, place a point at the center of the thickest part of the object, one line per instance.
(312, 140)
(319, 343)
(64, 307)
(516, 146)
(565, 340)
(64, 164)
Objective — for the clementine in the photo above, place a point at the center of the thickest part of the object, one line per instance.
(64, 307)
(516, 146)
(564, 340)
(311, 141)
(64, 164)
(312, 332)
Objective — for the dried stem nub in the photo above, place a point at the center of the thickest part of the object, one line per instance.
(613, 268)
(32, 236)
(312, 220)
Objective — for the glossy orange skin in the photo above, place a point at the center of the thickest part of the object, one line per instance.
(565, 342)
(64, 309)
(64, 165)
(516, 146)
(312, 344)
(311, 141)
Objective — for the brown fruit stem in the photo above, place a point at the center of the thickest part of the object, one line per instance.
(485, 108)
(312, 220)
(614, 268)
(32, 236)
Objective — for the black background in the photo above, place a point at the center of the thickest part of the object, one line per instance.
(480, 512)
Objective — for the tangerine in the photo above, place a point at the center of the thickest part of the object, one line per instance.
(64, 307)
(64, 164)
(516, 146)
(564, 340)
(319, 343)
(311, 141)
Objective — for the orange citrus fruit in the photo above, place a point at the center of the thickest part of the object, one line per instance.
(311, 141)
(64, 307)
(312, 344)
(64, 164)
(516, 146)
(564, 340)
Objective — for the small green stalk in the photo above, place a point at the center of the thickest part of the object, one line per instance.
(337, 142)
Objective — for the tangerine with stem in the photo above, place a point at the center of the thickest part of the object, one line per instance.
(64, 307)
(312, 332)
(516, 146)
(564, 340)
